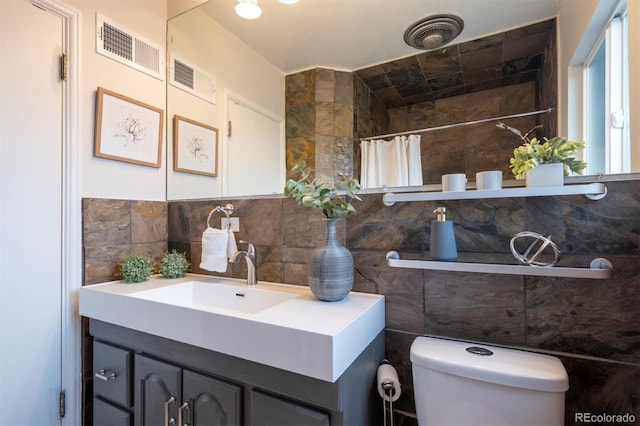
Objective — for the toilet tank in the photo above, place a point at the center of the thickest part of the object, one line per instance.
(460, 383)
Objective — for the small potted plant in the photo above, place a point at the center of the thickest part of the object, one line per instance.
(173, 264)
(136, 268)
(544, 163)
(334, 282)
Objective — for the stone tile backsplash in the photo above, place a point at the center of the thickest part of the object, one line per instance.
(113, 229)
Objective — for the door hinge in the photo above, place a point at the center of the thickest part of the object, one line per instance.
(64, 67)
(61, 404)
(229, 129)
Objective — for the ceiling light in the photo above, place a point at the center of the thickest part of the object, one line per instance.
(248, 9)
(288, 1)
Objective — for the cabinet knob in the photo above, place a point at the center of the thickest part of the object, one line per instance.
(105, 375)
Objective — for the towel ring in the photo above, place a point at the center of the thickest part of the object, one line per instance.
(227, 209)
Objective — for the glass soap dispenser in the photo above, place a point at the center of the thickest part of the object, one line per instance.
(443, 240)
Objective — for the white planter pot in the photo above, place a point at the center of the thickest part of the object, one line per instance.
(551, 174)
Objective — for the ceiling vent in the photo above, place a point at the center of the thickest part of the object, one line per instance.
(192, 79)
(433, 31)
(118, 43)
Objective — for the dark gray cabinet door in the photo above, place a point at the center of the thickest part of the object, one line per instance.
(106, 414)
(211, 402)
(157, 391)
(267, 410)
(111, 372)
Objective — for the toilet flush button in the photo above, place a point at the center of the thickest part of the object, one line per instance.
(477, 350)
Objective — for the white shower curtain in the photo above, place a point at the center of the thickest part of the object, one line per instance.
(391, 163)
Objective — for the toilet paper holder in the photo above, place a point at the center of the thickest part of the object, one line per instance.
(388, 388)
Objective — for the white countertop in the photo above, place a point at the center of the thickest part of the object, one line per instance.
(302, 335)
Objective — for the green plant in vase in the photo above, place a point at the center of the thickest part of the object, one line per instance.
(173, 264)
(136, 268)
(534, 152)
(324, 196)
(330, 267)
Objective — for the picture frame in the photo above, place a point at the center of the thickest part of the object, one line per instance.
(195, 147)
(127, 130)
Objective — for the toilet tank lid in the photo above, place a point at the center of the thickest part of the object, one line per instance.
(509, 367)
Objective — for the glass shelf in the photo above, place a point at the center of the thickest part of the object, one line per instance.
(600, 268)
(593, 191)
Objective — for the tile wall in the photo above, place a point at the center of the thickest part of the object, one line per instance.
(592, 325)
(494, 76)
(113, 229)
(472, 148)
(489, 62)
(319, 125)
(322, 130)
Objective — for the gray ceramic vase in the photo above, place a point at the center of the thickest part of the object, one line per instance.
(331, 268)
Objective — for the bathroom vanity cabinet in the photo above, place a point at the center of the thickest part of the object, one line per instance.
(143, 379)
(160, 387)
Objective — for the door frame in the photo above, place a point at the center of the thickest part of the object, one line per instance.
(71, 372)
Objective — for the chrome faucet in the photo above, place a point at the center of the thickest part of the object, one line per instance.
(250, 257)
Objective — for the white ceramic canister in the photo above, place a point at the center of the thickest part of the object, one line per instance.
(489, 180)
(454, 182)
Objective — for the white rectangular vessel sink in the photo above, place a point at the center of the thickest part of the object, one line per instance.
(240, 299)
(279, 325)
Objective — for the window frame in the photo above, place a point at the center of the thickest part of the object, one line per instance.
(617, 144)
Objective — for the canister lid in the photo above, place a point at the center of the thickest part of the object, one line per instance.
(492, 364)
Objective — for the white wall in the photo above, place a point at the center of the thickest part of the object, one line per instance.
(176, 7)
(580, 22)
(202, 42)
(102, 178)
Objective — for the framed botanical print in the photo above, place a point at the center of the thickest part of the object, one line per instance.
(195, 147)
(127, 130)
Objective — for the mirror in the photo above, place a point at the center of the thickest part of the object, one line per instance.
(217, 81)
(242, 76)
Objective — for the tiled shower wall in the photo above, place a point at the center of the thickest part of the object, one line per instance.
(321, 129)
(593, 326)
(474, 148)
(466, 149)
(319, 125)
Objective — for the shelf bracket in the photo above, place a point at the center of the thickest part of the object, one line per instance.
(599, 195)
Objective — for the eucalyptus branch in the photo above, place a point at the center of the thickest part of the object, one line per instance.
(308, 193)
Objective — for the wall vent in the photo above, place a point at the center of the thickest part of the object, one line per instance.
(192, 79)
(118, 43)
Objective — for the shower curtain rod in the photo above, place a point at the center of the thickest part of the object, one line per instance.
(466, 123)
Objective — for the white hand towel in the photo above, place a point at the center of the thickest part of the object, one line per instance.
(215, 243)
(232, 247)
